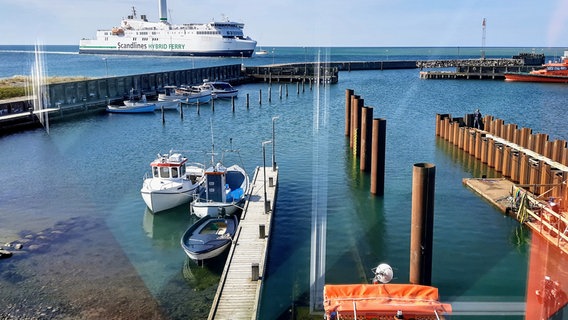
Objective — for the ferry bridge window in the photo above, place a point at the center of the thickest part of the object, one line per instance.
(155, 172)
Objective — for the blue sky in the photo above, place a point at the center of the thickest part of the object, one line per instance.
(523, 23)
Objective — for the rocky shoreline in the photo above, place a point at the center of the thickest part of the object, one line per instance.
(67, 272)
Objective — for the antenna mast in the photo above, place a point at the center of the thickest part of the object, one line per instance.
(483, 40)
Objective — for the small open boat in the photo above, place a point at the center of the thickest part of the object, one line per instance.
(209, 237)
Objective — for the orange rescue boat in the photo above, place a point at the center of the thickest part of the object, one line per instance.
(555, 72)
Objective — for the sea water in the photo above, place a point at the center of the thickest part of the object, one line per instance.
(94, 250)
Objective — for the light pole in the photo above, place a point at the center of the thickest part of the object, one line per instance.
(106, 66)
(264, 143)
(273, 144)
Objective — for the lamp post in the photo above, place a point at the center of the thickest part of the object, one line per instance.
(106, 66)
(273, 144)
(264, 143)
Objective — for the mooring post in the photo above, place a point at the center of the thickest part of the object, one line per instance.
(366, 139)
(348, 94)
(248, 99)
(212, 104)
(356, 104)
(180, 110)
(422, 224)
(378, 148)
(255, 272)
(259, 96)
(163, 115)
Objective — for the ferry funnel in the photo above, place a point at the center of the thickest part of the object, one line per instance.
(163, 11)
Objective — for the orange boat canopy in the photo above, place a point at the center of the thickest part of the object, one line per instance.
(362, 301)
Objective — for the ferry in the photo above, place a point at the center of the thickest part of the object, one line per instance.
(138, 36)
(555, 72)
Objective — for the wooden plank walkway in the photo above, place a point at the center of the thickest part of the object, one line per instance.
(238, 292)
(551, 225)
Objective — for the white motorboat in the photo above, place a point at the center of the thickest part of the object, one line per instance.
(220, 89)
(185, 94)
(224, 192)
(137, 36)
(133, 106)
(172, 182)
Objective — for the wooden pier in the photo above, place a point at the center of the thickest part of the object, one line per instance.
(239, 290)
(535, 172)
(493, 69)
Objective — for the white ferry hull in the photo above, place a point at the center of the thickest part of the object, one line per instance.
(138, 36)
(180, 48)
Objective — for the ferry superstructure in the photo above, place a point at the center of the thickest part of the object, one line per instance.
(138, 36)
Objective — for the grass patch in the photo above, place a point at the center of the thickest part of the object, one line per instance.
(18, 86)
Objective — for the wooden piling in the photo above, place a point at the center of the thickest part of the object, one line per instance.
(212, 105)
(483, 152)
(477, 152)
(348, 94)
(506, 162)
(515, 165)
(491, 149)
(525, 133)
(534, 176)
(545, 179)
(499, 150)
(378, 157)
(422, 223)
(259, 97)
(461, 133)
(366, 139)
(248, 100)
(524, 167)
(357, 105)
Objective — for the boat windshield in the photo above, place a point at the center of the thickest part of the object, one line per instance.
(174, 172)
(164, 172)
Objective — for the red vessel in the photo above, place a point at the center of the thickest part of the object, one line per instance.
(556, 72)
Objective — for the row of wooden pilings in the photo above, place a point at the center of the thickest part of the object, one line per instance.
(367, 139)
(527, 159)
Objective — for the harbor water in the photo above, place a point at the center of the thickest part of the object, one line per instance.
(94, 251)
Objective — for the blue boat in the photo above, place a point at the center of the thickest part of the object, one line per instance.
(209, 237)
